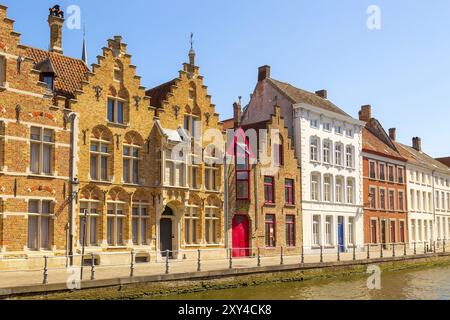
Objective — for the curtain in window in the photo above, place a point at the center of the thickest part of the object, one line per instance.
(32, 232)
(135, 230)
(120, 112)
(34, 157)
(144, 231)
(45, 232)
(136, 171)
(47, 158)
(110, 231)
(104, 168)
(93, 231)
(110, 110)
(126, 170)
(119, 230)
(94, 168)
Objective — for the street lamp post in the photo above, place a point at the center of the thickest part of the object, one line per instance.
(75, 185)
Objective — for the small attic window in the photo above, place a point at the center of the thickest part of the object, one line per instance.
(48, 78)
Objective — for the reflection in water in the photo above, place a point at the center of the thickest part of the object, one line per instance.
(431, 284)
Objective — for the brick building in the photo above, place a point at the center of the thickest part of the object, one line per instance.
(385, 191)
(264, 187)
(90, 159)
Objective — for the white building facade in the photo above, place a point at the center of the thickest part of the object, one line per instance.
(428, 196)
(330, 149)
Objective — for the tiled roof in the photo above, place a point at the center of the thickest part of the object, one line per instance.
(374, 144)
(228, 124)
(69, 72)
(159, 94)
(297, 95)
(445, 161)
(420, 158)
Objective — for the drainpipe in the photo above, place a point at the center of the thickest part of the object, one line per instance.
(73, 183)
(226, 197)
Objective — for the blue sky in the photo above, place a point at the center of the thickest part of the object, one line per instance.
(402, 70)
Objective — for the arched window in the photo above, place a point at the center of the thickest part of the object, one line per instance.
(315, 186)
(116, 217)
(327, 152)
(89, 216)
(328, 188)
(350, 191)
(349, 157)
(101, 154)
(140, 221)
(314, 149)
(131, 158)
(339, 193)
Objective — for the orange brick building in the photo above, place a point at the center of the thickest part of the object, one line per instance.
(264, 202)
(385, 190)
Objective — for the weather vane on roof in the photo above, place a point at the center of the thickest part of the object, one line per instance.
(192, 41)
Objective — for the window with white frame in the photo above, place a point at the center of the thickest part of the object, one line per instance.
(339, 193)
(315, 186)
(372, 169)
(419, 201)
(425, 202)
(41, 150)
(174, 170)
(413, 230)
(327, 188)
(392, 200)
(115, 223)
(329, 231)
(99, 159)
(116, 110)
(350, 190)
(430, 201)
(438, 205)
(448, 202)
(140, 223)
(191, 225)
(327, 126)
(401, 175)
(39, 224)
(351, 231)
(382, 172)
(131, 161)
(338, 130)
(391, 173)
(191, 124)
(443, 201)
(401, 200)
(316, 231)
(193, 177)
(211, 173)
(314, 123)
(419, 230)
(89, 223)
(412, 201)
(373, 197)
(349, 132)
(349, 157)
(211, 224)
(314, 149)
(2, 71)
(327, 152)
(338, 154)
(383, 199)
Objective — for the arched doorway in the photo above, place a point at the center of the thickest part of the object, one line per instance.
(166, 235)
(241, 236)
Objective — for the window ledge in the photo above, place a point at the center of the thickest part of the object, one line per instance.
(118, 125)
(100, 181)
(37, 175)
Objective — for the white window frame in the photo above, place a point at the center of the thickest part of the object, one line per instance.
(132, 159)
(115, 216)
(39, 216)
(142, 220)
(99, 155)
(41, 143)
(191, 225)
(212, 221)
(89, 215)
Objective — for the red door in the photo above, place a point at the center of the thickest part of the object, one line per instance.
(240, 236)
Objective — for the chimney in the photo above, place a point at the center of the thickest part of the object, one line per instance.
(322, 93)
(56, 23)
(417, 143)
(366, 113)
(393, 134)
(263, 73)
(237, 113)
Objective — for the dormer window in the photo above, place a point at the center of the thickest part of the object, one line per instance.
(49, 79)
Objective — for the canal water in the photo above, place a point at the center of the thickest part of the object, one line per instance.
(432, 284)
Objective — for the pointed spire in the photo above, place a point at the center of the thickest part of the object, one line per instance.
(192, 52)
(84, 53)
